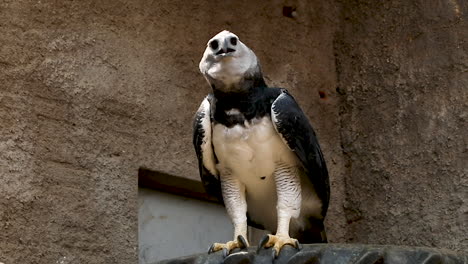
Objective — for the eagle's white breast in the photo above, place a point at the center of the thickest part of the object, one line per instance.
(250, 153)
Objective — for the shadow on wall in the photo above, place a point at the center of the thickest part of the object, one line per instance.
(177, 218)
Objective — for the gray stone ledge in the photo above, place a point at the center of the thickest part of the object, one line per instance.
(332, 254)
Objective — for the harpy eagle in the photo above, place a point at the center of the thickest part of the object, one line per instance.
(257, 151)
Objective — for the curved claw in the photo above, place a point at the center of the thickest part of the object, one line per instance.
(242, 242)
(274, 254)
(298, 245)
(263, 242)
(211, 249)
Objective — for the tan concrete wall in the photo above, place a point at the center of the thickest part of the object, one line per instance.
(403, 73)
(92, 90)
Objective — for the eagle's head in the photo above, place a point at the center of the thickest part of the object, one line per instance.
(228, 64)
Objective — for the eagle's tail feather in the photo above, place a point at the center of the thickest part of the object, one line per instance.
(313, 233)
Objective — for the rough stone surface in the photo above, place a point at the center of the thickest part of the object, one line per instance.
(92, 90)
(330, 253)
(403, 72)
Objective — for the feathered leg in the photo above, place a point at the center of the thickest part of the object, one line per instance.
(288, 187)
(236, 206)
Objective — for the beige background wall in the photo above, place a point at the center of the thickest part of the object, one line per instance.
(92, 90)
(403, 76)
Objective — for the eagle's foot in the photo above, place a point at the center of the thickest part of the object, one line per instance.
(241, 243)
(277, 242)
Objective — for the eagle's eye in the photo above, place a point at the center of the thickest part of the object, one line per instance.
(233, 41)
(214, 45)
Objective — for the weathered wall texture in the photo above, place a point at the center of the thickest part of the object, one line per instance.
(92, 90)
(403, 73)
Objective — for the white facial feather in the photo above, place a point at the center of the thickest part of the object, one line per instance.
(227, 59)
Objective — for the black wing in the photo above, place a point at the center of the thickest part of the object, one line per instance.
(204, 149)
(293, 125)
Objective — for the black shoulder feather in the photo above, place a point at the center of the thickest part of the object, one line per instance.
(293, 125)
(203, 147)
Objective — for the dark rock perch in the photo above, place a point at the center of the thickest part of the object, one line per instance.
(332, 254)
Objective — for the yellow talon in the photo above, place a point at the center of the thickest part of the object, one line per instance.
(277, 242)
(228, 246)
